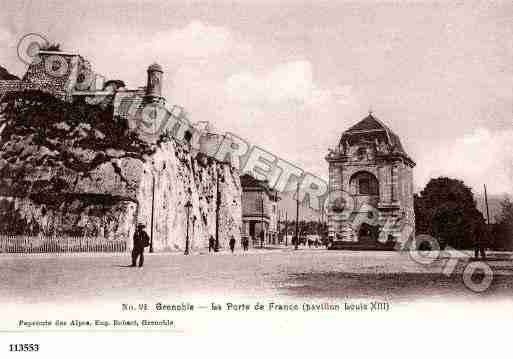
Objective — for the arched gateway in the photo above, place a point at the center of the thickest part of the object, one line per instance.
(371, 167)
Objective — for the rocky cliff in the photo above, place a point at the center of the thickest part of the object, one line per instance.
(73, 169)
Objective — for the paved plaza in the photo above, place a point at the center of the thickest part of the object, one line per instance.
(278, 272)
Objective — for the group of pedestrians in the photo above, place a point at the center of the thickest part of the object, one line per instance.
(141, 240)
(213, 247)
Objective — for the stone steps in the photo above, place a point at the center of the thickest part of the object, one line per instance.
(361, 246)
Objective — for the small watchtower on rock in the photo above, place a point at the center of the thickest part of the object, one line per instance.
(154, 84)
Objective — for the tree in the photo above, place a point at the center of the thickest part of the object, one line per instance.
(446, 210)
(503, 229)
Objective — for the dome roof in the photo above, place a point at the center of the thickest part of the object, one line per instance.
(371, 125)
(155, 67)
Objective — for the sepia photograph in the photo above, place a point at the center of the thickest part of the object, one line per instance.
(235, 168)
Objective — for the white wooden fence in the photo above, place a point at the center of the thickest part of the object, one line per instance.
(58, 244)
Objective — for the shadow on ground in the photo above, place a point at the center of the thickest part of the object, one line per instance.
(398, 286)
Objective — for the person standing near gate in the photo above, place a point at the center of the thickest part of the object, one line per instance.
(141, 240)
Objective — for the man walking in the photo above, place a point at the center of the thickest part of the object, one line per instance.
(141, 240)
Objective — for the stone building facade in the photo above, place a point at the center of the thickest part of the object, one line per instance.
(259, 211)
(370, 188)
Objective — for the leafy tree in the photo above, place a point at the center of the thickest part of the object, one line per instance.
(446, 209)
(503, 229)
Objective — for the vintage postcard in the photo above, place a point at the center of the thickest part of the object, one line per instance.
(243, 168)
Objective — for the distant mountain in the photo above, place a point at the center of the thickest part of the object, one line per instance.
(5, 75)
(288, 204)
(494, 205)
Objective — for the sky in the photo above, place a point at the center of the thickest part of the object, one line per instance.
(291, 76)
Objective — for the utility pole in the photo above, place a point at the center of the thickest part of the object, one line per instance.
(188, 206)
(218, 200)
(152, 210)
(322, 212)
(296, 242)
(286, 229)
(321, 222)
(262, 232)
(278, 222)
(319, 227)
(279, 218)
(487, 210)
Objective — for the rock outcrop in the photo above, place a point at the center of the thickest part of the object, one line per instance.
(6, 75)
(73, 169)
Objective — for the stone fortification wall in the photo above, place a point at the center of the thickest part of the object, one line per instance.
(73, 169)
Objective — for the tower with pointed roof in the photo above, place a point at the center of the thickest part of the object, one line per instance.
(370, 188)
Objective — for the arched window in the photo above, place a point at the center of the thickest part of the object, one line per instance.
(365, 183)
(361, 153)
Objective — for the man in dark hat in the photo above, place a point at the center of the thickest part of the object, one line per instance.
(141, 240)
